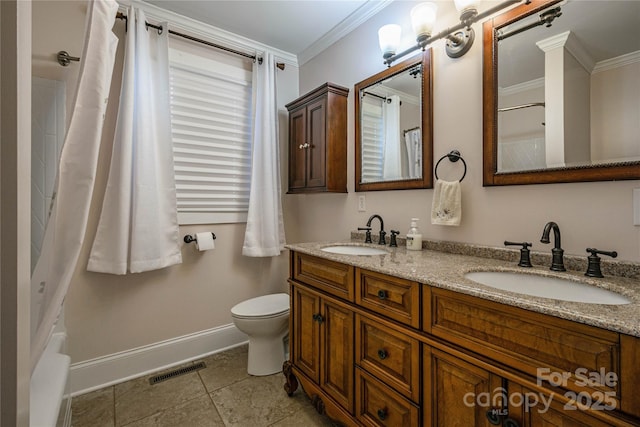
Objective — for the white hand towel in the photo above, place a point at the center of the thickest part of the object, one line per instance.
(447, 203)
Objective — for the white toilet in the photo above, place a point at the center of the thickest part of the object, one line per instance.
(265, 320)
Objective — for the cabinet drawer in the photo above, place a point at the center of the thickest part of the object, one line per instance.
(537, 344)
(398, 299)
(379, 405)
(389, 355)
(332, 277)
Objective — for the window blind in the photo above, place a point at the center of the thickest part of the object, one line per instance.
(372, 140)
(211, 129)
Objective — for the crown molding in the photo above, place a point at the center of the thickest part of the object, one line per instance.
(619, 61)
(350, 23)
(521, 87)
(207, 32)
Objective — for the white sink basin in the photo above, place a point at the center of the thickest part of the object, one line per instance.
(354, 250)
(547, 287)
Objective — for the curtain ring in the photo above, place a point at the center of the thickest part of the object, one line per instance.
(160, 30)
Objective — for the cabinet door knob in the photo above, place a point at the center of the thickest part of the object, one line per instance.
(318, 318)
(382, 294)
(305, 145)
(382, 414)
(494, 417)
(509, 422)
(382, 354)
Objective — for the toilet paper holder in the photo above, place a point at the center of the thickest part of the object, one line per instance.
(188, 238)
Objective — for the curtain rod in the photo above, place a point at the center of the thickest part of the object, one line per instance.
(280, 65)
(518, 107)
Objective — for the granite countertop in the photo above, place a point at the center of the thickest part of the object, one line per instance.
(447, 270)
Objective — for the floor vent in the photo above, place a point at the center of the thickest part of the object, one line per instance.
(167, 376)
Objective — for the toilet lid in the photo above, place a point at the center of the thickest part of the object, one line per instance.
(267, 305)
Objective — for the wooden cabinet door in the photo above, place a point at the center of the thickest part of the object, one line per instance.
(316, 137)
(337, 361)
(297, 152)
(306, 332)
(451, 389)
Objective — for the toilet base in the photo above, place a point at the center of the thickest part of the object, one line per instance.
(266, 355)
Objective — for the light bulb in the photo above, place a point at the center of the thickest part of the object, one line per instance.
(467, 8)
(423, 19)
(389, 39)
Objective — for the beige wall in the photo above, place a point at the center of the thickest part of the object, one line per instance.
(589, 214)
(106, 314)
(615, 116)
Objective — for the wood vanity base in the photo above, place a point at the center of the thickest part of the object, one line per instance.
(370, 349)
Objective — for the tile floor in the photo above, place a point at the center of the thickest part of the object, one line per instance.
(222, 394)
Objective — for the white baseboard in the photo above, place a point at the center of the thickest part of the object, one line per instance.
(115, 368)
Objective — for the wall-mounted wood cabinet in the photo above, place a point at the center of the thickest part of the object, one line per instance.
(318, 141)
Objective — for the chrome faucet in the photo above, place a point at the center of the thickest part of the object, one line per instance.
(382, 240)
(557, 262)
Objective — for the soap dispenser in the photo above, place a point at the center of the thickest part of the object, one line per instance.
(414, 237)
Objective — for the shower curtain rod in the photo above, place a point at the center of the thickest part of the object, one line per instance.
(124, 17)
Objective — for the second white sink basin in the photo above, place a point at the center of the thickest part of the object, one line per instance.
(547, 287)
(354, 250)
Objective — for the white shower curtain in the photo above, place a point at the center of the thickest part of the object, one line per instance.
(264, 235)
(392, 167)
(138, 228)
(76, 175)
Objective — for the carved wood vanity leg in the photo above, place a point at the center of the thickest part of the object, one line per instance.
(292, 383)
(317, 403)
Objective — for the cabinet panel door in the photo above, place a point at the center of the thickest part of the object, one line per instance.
(451, 387)
(338, 353)
(306, 332)
(297, 155)
(555, 413)
(316, 137)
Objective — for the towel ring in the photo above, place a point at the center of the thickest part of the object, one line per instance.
(453, 157)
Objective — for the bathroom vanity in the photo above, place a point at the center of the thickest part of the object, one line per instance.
(405, 339)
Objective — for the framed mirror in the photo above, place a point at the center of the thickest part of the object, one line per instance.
(393, 111)
(561, 93)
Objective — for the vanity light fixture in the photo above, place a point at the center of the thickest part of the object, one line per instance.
(459, 38)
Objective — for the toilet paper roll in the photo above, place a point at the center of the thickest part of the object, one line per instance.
(204, 241)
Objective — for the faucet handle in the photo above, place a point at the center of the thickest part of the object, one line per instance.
(525, 259)
(382, 240)
(393, 243)
(593, 268)
(367, 234)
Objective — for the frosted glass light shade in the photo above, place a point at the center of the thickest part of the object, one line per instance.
(423, 19)
(389, 39)
(467, 8)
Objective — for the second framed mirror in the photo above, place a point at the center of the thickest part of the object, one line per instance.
(394, 132)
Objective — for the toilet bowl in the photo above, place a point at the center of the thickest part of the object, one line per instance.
(265, 320)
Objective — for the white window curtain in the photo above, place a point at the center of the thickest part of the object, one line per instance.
(392, 167)
(138, 226)
(76, 176)
(264, 235)
(413, 142)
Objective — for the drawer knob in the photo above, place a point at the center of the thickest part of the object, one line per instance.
(382, 354)
(382, 414)
(318, 318)
(382, 294)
